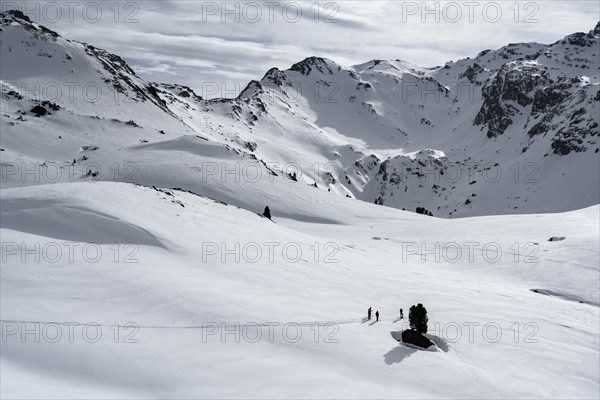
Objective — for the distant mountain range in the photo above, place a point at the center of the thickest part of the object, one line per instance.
(512, 130)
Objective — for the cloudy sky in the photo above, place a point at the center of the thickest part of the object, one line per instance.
(217, 47)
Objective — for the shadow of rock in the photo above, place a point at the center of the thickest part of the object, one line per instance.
(398, 354)
(439, 342)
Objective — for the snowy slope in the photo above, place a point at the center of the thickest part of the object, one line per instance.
(171, 288)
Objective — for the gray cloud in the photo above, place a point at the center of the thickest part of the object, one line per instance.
(195, 42)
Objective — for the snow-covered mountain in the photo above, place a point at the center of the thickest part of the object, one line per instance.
(505, 132)
(134, 264)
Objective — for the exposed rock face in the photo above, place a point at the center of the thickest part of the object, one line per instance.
(415, 338)
(39, 111)
(510, 86)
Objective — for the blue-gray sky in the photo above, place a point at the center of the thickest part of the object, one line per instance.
(206, 44)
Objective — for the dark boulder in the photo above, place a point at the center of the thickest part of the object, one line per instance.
(556, 238)
(415, 338)
(39, 111)
(424, 211)
(52, 106)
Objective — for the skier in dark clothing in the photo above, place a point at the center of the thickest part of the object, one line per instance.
(369, 313)
(401, 314)
(377, 315)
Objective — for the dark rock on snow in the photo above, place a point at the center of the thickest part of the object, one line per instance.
(556, 238)
(415, 338)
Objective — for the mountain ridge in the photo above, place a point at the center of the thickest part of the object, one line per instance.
(390, 132)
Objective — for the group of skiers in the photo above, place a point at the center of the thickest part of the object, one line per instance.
(370, 311)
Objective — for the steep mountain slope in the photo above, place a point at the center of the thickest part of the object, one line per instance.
(518, 111)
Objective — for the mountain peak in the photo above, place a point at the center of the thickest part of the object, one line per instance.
(15, 16)
(323, 65)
